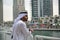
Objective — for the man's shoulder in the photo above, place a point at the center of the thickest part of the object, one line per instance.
(21, 22)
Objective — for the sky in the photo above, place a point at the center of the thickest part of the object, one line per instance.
(8, 9)
(55, 7)
(28, 8)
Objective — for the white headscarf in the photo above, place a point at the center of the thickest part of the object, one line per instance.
(19, 17)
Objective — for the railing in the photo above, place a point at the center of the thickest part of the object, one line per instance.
(4, 35)
(39, 37)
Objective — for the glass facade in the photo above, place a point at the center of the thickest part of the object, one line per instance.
(34, 9)
(47, 7)
(59, 7)
(1, 11)
(41, 8)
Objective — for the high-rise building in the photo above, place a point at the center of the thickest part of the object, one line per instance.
(41, 8)
(47, 8)
(1, 11)
(18, 6)
(34, 9)
(59, 7)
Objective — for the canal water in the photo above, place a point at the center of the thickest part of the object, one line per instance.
(51, 33)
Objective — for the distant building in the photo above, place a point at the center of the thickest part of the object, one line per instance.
(18, 6)
(41, 8)
(47, 8)
(1, 11)
(34, 10)
(59, 7)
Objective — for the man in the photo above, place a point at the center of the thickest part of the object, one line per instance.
(20, 31)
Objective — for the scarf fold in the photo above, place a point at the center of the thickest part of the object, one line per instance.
(19, 17)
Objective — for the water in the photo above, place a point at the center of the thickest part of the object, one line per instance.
(51, 33)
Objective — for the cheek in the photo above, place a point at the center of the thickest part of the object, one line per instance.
(26, 17)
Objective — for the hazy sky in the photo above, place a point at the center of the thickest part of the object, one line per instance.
(28, 8)
(8, 9)
(55, 7)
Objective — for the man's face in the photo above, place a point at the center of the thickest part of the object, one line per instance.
(25, 18)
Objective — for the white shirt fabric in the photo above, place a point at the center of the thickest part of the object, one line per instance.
(20, 31)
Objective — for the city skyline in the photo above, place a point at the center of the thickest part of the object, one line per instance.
(8, 9)
(18, 6)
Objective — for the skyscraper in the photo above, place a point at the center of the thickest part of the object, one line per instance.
(18, 6)
(59, 7)
(41, 8)
(1, 11)
(47, 8)
(34, 9)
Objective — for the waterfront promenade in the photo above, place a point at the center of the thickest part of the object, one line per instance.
(5, 32)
